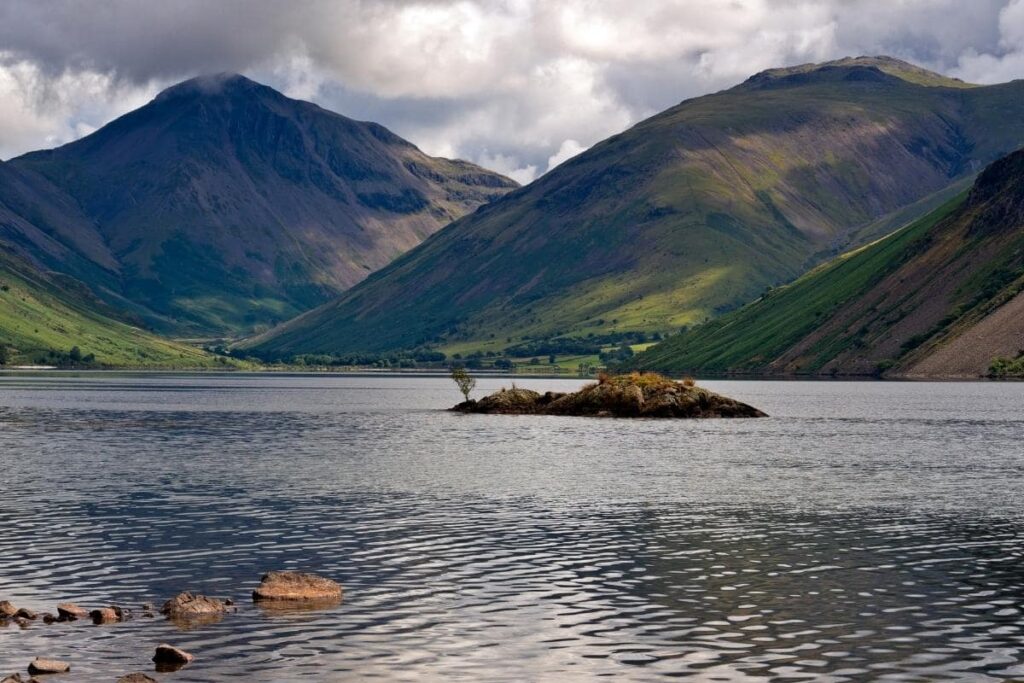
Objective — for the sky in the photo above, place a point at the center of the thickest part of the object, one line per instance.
(517, 86)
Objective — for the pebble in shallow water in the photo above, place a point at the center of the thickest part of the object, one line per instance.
(48, 666)
(169, 658)
(68, 611)
(136, 677)
(289, 586)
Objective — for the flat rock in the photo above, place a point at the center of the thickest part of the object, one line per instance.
(188, 605)
(292, 587)
(48, 666)
(67, 611)
(7, 610)
(169, 658)
(136, 678)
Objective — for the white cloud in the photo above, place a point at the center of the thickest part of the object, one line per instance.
(506, 165)
(568, 150)
(38, 109)
(1007, 61)
(503, 82)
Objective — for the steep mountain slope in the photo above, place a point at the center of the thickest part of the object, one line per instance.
(683, 217)
(940, 298)
(223, 205)
(44, 316)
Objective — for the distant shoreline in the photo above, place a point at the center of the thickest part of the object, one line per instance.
(427, 373)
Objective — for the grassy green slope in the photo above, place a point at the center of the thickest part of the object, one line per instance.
(934, 299)
(682, 218)
(750, 338)
(43, 316)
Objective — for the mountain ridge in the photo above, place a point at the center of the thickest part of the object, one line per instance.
(222, 204)
(680, 218)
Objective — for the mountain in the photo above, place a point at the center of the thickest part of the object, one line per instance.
(223, 206)
(683, 217)
(45, 316)
(943, 297)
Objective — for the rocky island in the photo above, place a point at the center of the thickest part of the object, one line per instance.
(633, 395)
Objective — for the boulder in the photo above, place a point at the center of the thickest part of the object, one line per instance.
(136, 678)
(48, 618)
(48, 666)
(25, 613)
(67, 611)
(7, 610)
(170, 658)
(292, 587)
(13, 678)
(190, 605)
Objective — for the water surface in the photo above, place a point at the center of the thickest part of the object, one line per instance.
(866, 531)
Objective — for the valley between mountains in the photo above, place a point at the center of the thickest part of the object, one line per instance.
(824, 219)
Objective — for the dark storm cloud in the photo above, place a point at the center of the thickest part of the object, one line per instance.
(515, 84)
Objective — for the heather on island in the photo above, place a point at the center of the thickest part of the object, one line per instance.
(634, 395)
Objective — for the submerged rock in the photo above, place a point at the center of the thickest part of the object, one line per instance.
(104, 615)
(292, 587)
(170, 658)
(136, 678)
(48, 666)
(193, 606)
(633, 395)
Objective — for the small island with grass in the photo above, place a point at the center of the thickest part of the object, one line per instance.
(634, 395)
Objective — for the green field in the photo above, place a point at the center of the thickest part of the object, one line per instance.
(748, 339)
(43, 317)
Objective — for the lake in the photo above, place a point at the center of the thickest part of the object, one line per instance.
(865, 531)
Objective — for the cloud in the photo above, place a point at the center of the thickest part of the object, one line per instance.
(514, 84)
(566, 151)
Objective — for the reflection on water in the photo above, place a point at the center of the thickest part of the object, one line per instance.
(865, 532)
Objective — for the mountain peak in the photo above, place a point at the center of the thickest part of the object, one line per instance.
(224, 83)
(879, 68)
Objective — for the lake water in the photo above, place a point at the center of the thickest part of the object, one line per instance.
(866, 531)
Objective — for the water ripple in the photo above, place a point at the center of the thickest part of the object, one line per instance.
(801, 548)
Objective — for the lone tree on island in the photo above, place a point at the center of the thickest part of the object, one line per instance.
(463, 380)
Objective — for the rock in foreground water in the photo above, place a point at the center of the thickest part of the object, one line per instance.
(104, 615)
(294, 587)
(136, 678)
(67, 611)
(633, 395)
(48, 666)
(7, 610)
(170, 658)
(192, 606)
